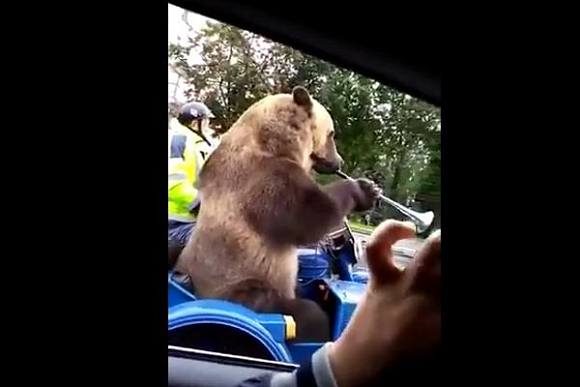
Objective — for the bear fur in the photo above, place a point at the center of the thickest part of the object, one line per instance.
(259, 203)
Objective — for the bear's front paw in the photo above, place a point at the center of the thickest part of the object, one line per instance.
(367, 194)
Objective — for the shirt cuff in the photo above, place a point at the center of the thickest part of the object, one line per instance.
(321, 367)
(316, 372)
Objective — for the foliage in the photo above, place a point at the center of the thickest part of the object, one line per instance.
(381, 133)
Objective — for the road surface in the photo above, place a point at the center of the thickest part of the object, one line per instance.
(406, 243)
(403, 249)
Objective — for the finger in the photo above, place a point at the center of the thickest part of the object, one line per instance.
(379, 249)
(425, 270)
(430, 252)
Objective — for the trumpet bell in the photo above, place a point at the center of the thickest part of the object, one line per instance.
(422, 220)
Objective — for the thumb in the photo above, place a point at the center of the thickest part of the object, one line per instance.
(379, 250)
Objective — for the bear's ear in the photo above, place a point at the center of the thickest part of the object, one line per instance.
(301, 96)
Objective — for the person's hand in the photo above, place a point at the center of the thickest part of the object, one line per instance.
(399, 317)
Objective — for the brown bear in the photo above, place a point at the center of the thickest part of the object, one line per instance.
(259, 202)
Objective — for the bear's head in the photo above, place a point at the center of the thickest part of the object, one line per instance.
(323, 156)
(291, 126)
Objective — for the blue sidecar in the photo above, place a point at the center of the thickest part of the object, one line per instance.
(327, 274)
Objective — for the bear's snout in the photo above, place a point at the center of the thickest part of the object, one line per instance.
(325, 166)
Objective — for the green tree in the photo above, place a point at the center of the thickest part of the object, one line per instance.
(381, 133)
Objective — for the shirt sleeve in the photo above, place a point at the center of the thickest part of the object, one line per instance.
(315, 372)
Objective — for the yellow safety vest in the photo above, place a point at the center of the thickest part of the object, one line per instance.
(187, 152)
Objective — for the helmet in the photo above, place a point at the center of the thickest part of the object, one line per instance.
(193, 111)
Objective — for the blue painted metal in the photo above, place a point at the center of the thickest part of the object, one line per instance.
(315, 269)
(268, 329)
(177, 294)
(360, 275)
(346, 296)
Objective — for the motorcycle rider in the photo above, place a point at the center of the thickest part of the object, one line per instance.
(190, 143)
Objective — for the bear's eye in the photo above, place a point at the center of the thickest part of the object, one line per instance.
(331, 134)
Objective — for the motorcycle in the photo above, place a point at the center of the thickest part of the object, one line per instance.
(331, 273)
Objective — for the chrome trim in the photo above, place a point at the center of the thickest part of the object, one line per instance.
(225, 356)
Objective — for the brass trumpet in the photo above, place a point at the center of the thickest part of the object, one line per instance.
(422, 220)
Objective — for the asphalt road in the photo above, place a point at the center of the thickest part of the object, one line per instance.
(406, 243)
(403, 249)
